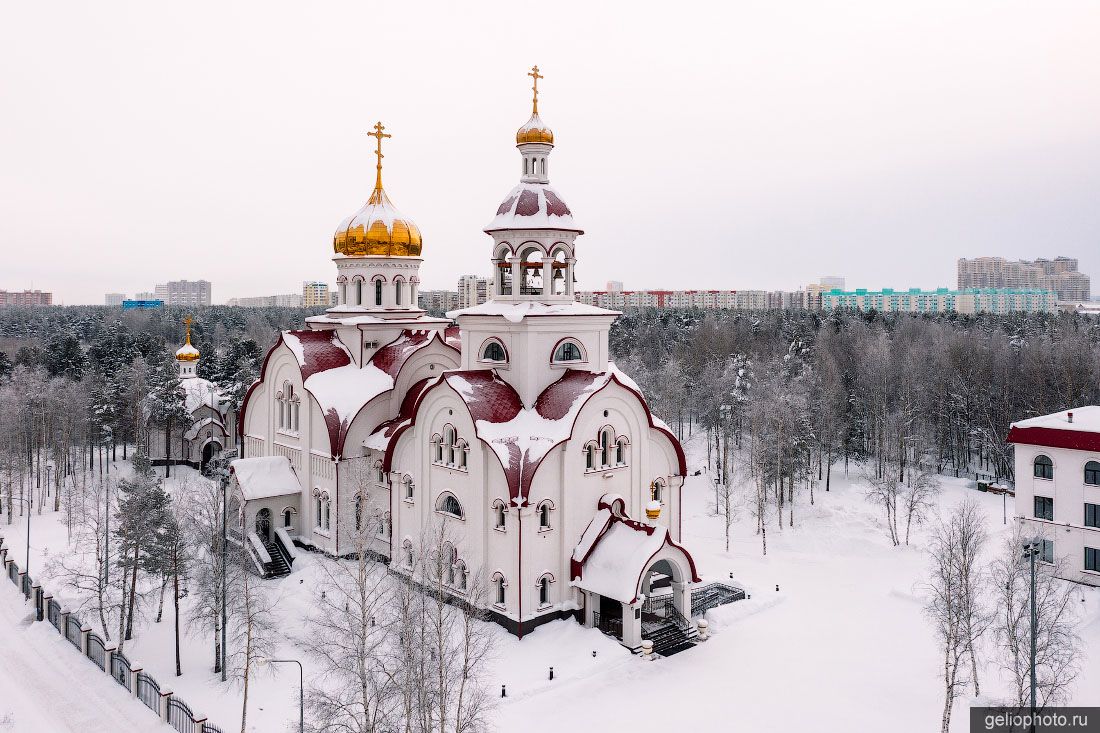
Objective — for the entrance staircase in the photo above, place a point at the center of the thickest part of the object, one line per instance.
(670, 639)
(280, 560)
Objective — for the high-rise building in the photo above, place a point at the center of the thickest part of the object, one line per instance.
(1059, 275)
(472, 290)
(438, 301)
(705, 299)
(184, 292)
(145, 295)
(814, 290)
(25, 298)
(114, 299)
(315, 295)
(288, 300)
(999, 301)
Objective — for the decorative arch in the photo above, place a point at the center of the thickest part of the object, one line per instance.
(407, 552)
(447, 503)
(287, 514)
(543, 511)
(1092, 473)
(568, 350)
(499, 585)
(543, 585)
(488, 354)
(500, 512)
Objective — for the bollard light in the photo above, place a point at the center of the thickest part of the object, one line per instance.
(593, 653)
(777, 587)
(503, 691)
(551, 673)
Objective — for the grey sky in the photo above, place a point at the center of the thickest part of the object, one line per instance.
(729, 145)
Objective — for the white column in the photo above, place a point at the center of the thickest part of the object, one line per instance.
(569, 275)
(414, 294)
(681, 598)
(590, 601)
(516, 275)
(547, 276)
(632, 625)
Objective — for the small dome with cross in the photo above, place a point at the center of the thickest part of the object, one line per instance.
(535, 131)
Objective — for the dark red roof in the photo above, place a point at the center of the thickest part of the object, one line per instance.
(1056, 438)
(321, 351)
(391, 357)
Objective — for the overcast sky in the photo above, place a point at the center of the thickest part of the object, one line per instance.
(733, 145)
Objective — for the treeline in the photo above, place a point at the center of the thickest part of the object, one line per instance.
(937, 391)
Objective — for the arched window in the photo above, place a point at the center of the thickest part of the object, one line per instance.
(450, 559)
(461, 449)
(543, 510)
(657, 490)
(493, 350)
(568, 351)
(544, 589)
(1092, 473)
(409, 488)
(620, 451)
(499, 585)
(590, 456)
(378, 292)
(449, 445)
(379, 473)
(461, 576)
(358, 291)
(288, 517)
(327, 506)
(397, 294)
(1044, 467)
(448, 503)
(499, 510)
(606, 436)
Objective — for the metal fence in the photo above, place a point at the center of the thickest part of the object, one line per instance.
(120, 670)
(96, 651)
(207, 728)
(13, 574)
(713, 595)
(28, 584)
(53, 613)
(72, 630)
(180, 716)
(149, 692)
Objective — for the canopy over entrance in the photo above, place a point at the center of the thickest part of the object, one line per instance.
(263, 477)
(615, 552)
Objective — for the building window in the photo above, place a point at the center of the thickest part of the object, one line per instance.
(408, 488)
(605, 446)
(378, 292)
(1047, 554)
(288, 518)
(449, 445)
(567, 351)
(1092, 515)
(620, 451)
(590, 457)
(499, 511)
(1044, 467)
(494, 351)
(460, 454)
(544, 509)
(1092, 559)
(397, 292)
(1092, 473)
(379, 473)
(461, 576)
(499, 585)
(544, 590)
(449, 504)
(657, 490)
(359, 292)
(1044, 508)
(437, 449)
(408, 552)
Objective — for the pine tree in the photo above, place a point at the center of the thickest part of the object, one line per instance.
(166, 404)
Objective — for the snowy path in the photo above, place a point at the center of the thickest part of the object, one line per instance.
(46, 686)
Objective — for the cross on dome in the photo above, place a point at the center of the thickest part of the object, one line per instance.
(535, 76)
(187, 352)
(378, 134)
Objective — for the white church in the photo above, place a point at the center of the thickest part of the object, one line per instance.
(512, 428)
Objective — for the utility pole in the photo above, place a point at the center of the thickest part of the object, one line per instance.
(1032, 548)
(225, 567)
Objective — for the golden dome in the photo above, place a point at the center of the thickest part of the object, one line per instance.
(378, 228)
(187, 352)
(535, 131)
(653, 510)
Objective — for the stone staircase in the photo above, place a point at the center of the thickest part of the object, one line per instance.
(280, 563)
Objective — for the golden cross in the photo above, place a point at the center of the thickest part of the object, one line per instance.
(378, 135)
(187, 324)
(535, 76)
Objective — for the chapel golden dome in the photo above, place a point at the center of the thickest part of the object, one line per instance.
(535, 131)
(378, 228)
(187, 352)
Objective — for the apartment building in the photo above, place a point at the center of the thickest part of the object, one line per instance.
(1059, 275)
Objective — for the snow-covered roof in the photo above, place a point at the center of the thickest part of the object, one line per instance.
(519, 436)
(1057, 431)
(615, 550)
(196, 427)
(199, 392)
(265, 476)
(533, 206)
(516, 312)
(341, 388)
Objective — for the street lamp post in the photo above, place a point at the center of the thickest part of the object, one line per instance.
(27, 569)
(301, 689)
(225, 567)
(1032, 549)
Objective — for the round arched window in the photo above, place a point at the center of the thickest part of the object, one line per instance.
(568, 351)
(493, 351)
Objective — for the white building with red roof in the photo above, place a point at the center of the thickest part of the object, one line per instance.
(1058, 488)
(558, 490)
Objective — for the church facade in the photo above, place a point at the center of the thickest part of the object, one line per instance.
(505, 423)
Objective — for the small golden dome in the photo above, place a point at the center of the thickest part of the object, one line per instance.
(535, 131)
(187, 352)
(378, 228)
(653, 510)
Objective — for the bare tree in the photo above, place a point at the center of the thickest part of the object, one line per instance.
(945, 608)
(1057, 648)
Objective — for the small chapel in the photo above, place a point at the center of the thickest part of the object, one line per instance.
(505, 422)
(210, 427)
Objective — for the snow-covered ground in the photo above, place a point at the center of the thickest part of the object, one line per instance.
(841, 645)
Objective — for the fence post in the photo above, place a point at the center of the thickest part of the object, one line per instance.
(65, 621)
(165, 696)
(134, 672)
(46, 598)
(84, 631)
(36, 589)
(109, 660)
(22, 580)
(199, 720)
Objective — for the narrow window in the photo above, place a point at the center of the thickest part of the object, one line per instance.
(605, 447)
(317, 510)
(358, 513)
(1048, 551)
(287, 518)
(590, 457)
(397, 292)
(1092, 559)
(1044, 468)
(544, 591)
(1092, 515)
(544, 516)
(499, 588)
(620, 452)
(657, 492)
(378, 292)
(499, 510)
(359, 292)
(1044, 508)
(1092, 473)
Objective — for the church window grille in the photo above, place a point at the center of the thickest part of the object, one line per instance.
(493, 351)
(568, 351)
